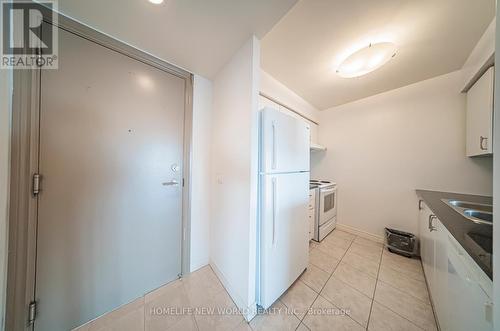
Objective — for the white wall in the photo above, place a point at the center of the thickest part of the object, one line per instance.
(5, 106)
(275, 89)
(382, 148)
(234, 166)
(201, 172)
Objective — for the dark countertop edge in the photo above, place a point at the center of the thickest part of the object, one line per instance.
(456, 224)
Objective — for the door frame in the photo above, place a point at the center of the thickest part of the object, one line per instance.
(24, 163)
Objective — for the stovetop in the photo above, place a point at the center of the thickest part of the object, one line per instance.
(317, 183)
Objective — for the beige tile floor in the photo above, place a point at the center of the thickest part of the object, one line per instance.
(351, 284)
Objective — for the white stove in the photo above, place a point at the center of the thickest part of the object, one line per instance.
(316, 183)
(326, 207)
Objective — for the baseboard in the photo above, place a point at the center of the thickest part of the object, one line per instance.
(361, 233)
(198, 266)
(248, 312)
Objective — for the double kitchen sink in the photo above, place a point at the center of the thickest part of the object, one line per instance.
(480, 214)
(474, 212)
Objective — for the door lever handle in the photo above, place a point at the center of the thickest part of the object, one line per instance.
(173, 182)
(481, 141)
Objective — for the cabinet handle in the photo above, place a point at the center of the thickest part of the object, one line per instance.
(420, 204)
(481, 141)
(431, 227)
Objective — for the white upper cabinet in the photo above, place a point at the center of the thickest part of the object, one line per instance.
(480, 115)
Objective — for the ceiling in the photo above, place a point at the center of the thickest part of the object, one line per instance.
(197, 35)
(433, 37)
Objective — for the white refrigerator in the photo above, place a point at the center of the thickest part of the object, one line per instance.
(284, 196)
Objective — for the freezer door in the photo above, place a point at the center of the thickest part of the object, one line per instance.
(285, 142)
(284, 233)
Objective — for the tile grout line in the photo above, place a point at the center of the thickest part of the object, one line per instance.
(301, 319)
(405, 292)
(403, 275)
(372, 299)
(331, 275)
(377, 280)
(318, 293)
(340, 260)
(396, 313)
(406, 274)
(375, 289)
(429, 294)
(359, 270)
(352, 288)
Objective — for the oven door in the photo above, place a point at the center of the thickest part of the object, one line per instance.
(327, 204)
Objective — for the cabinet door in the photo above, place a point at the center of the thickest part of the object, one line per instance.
(469, 306)
(480, 115)
(440, 273)
(433, 242)
(426, 243)
(312, 212)
(311, 223)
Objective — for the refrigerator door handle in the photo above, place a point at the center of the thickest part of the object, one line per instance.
(275, 147)
(274, 211)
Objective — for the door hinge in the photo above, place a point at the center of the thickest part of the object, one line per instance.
(32, 313)
(36, 184)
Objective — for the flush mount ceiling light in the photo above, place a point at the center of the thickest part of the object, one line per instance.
(156, 2)
(366, 60)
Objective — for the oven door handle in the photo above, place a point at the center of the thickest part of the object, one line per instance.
(330, 190)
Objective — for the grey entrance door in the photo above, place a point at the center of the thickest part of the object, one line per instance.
(110, 208)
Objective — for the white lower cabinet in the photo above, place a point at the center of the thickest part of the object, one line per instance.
(434, 260)
(426, 243)
(456, 284)
(469, 305)
(312, 213)
(440, 296)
